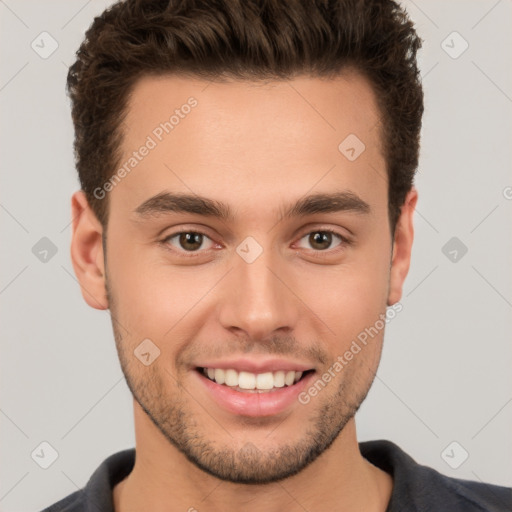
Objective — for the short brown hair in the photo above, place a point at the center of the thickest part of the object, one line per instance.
(247, 40)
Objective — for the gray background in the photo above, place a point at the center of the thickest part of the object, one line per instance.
(445, 373)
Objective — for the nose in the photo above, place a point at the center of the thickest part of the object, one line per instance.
(258, 298)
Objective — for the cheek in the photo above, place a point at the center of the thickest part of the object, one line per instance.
(146, 299)
(153, 299)
(351, 297)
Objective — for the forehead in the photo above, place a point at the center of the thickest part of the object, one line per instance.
(218, 139)
(304, 105)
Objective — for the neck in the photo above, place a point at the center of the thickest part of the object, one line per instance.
(163, 479)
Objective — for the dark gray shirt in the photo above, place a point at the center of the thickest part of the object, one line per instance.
(416, 488)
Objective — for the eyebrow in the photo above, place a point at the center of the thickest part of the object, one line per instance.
(167, 202)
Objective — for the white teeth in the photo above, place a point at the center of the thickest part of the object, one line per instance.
(279, 379)
(289, 378)
(265, 380)
(248, 380)
(220, 376)
(231, 378)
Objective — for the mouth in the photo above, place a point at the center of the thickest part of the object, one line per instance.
(248, 382)
(253, 394)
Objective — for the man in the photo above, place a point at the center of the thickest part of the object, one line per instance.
(246, 214)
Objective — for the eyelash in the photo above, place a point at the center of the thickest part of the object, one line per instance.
(345, 242)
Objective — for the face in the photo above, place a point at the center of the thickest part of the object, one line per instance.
(277, 261)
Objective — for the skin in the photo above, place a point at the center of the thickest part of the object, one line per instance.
(255, 147)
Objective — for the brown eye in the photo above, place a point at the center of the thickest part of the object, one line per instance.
(190, 241)
(187, 241)
(322, 240)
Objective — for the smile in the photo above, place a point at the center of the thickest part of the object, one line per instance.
(253, 382)
(244, 393)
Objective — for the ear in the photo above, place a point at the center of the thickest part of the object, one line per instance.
(87, 252)
(402, 247)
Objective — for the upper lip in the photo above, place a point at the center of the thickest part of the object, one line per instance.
(255, 366)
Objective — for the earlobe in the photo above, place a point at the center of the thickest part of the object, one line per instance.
(87, 252)
(402, 247)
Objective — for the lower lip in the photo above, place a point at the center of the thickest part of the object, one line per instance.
(266, 403)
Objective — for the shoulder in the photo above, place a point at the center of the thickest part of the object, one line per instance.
(71, 503)
(421, 488)
(468, 495)
(96, 496)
